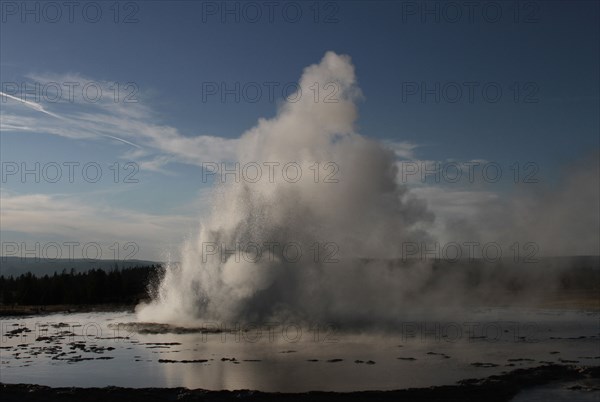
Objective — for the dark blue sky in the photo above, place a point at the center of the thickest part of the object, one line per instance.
(170, 52)
(542, 55)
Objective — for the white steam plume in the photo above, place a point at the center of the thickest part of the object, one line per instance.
(359, 220)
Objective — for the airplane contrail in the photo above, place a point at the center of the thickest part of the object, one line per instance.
(40, 108)
(120, 139)
(32, 105)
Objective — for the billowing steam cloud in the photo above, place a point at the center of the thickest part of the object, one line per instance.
(315, 233)
(313, 222)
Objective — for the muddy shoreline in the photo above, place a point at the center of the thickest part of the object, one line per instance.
(563, 301)
(494, 388)
(27, 310)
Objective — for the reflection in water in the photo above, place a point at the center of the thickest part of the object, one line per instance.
(103, 349)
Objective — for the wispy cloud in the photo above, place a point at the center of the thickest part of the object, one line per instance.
(402, 149)
(137, 134)
(131, 123)
(73, 218)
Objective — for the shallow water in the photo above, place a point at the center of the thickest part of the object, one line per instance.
(92, 349)
(577, 391)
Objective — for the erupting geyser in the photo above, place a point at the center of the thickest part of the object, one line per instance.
(303, 231)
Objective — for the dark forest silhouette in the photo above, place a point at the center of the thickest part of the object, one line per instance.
(96, 286)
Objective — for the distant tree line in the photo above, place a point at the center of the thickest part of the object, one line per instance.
(96, 286)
